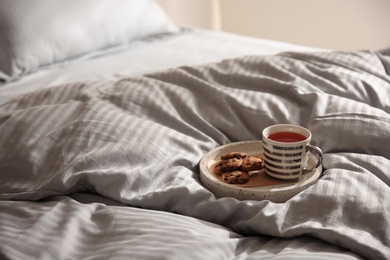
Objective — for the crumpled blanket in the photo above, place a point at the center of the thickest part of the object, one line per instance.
(138, 141)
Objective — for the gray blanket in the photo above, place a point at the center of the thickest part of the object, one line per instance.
(138, 142)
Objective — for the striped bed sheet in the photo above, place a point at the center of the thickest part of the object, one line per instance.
(110, 170)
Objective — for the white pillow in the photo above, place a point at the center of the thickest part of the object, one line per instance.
(41, 32)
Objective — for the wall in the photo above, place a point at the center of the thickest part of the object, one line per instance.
(192, 12)
(331, 24)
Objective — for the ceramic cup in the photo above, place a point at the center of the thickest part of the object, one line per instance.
(286, 151)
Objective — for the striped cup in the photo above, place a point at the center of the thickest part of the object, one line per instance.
(286, 150)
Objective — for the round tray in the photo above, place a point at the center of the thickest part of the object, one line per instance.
(260, 186)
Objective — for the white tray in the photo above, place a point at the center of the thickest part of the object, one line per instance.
(260, 186)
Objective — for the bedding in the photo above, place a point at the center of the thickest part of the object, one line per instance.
(189, 46)
(110, 169)
(102, 130)
(38, 33)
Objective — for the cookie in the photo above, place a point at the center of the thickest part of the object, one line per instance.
(235, 177)
(251, 163)
(227, 165)
(233, 155)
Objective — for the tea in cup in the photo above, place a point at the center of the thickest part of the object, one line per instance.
(286, 150)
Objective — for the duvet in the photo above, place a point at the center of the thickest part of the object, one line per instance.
(110, 170)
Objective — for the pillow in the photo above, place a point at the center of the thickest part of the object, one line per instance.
(41, 32)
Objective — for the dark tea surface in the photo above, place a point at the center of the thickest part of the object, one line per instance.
(287, 137)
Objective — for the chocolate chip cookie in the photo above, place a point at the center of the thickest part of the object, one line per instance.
(235, 177)
(251, 163)
(233, 155)
(227, 165)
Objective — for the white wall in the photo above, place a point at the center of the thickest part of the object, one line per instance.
(192, 12)
(331, 24)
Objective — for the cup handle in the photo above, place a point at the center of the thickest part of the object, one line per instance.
(318, 153)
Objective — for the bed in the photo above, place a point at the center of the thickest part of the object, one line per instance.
(105, 115)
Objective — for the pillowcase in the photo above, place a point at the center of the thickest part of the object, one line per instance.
(41, 32)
